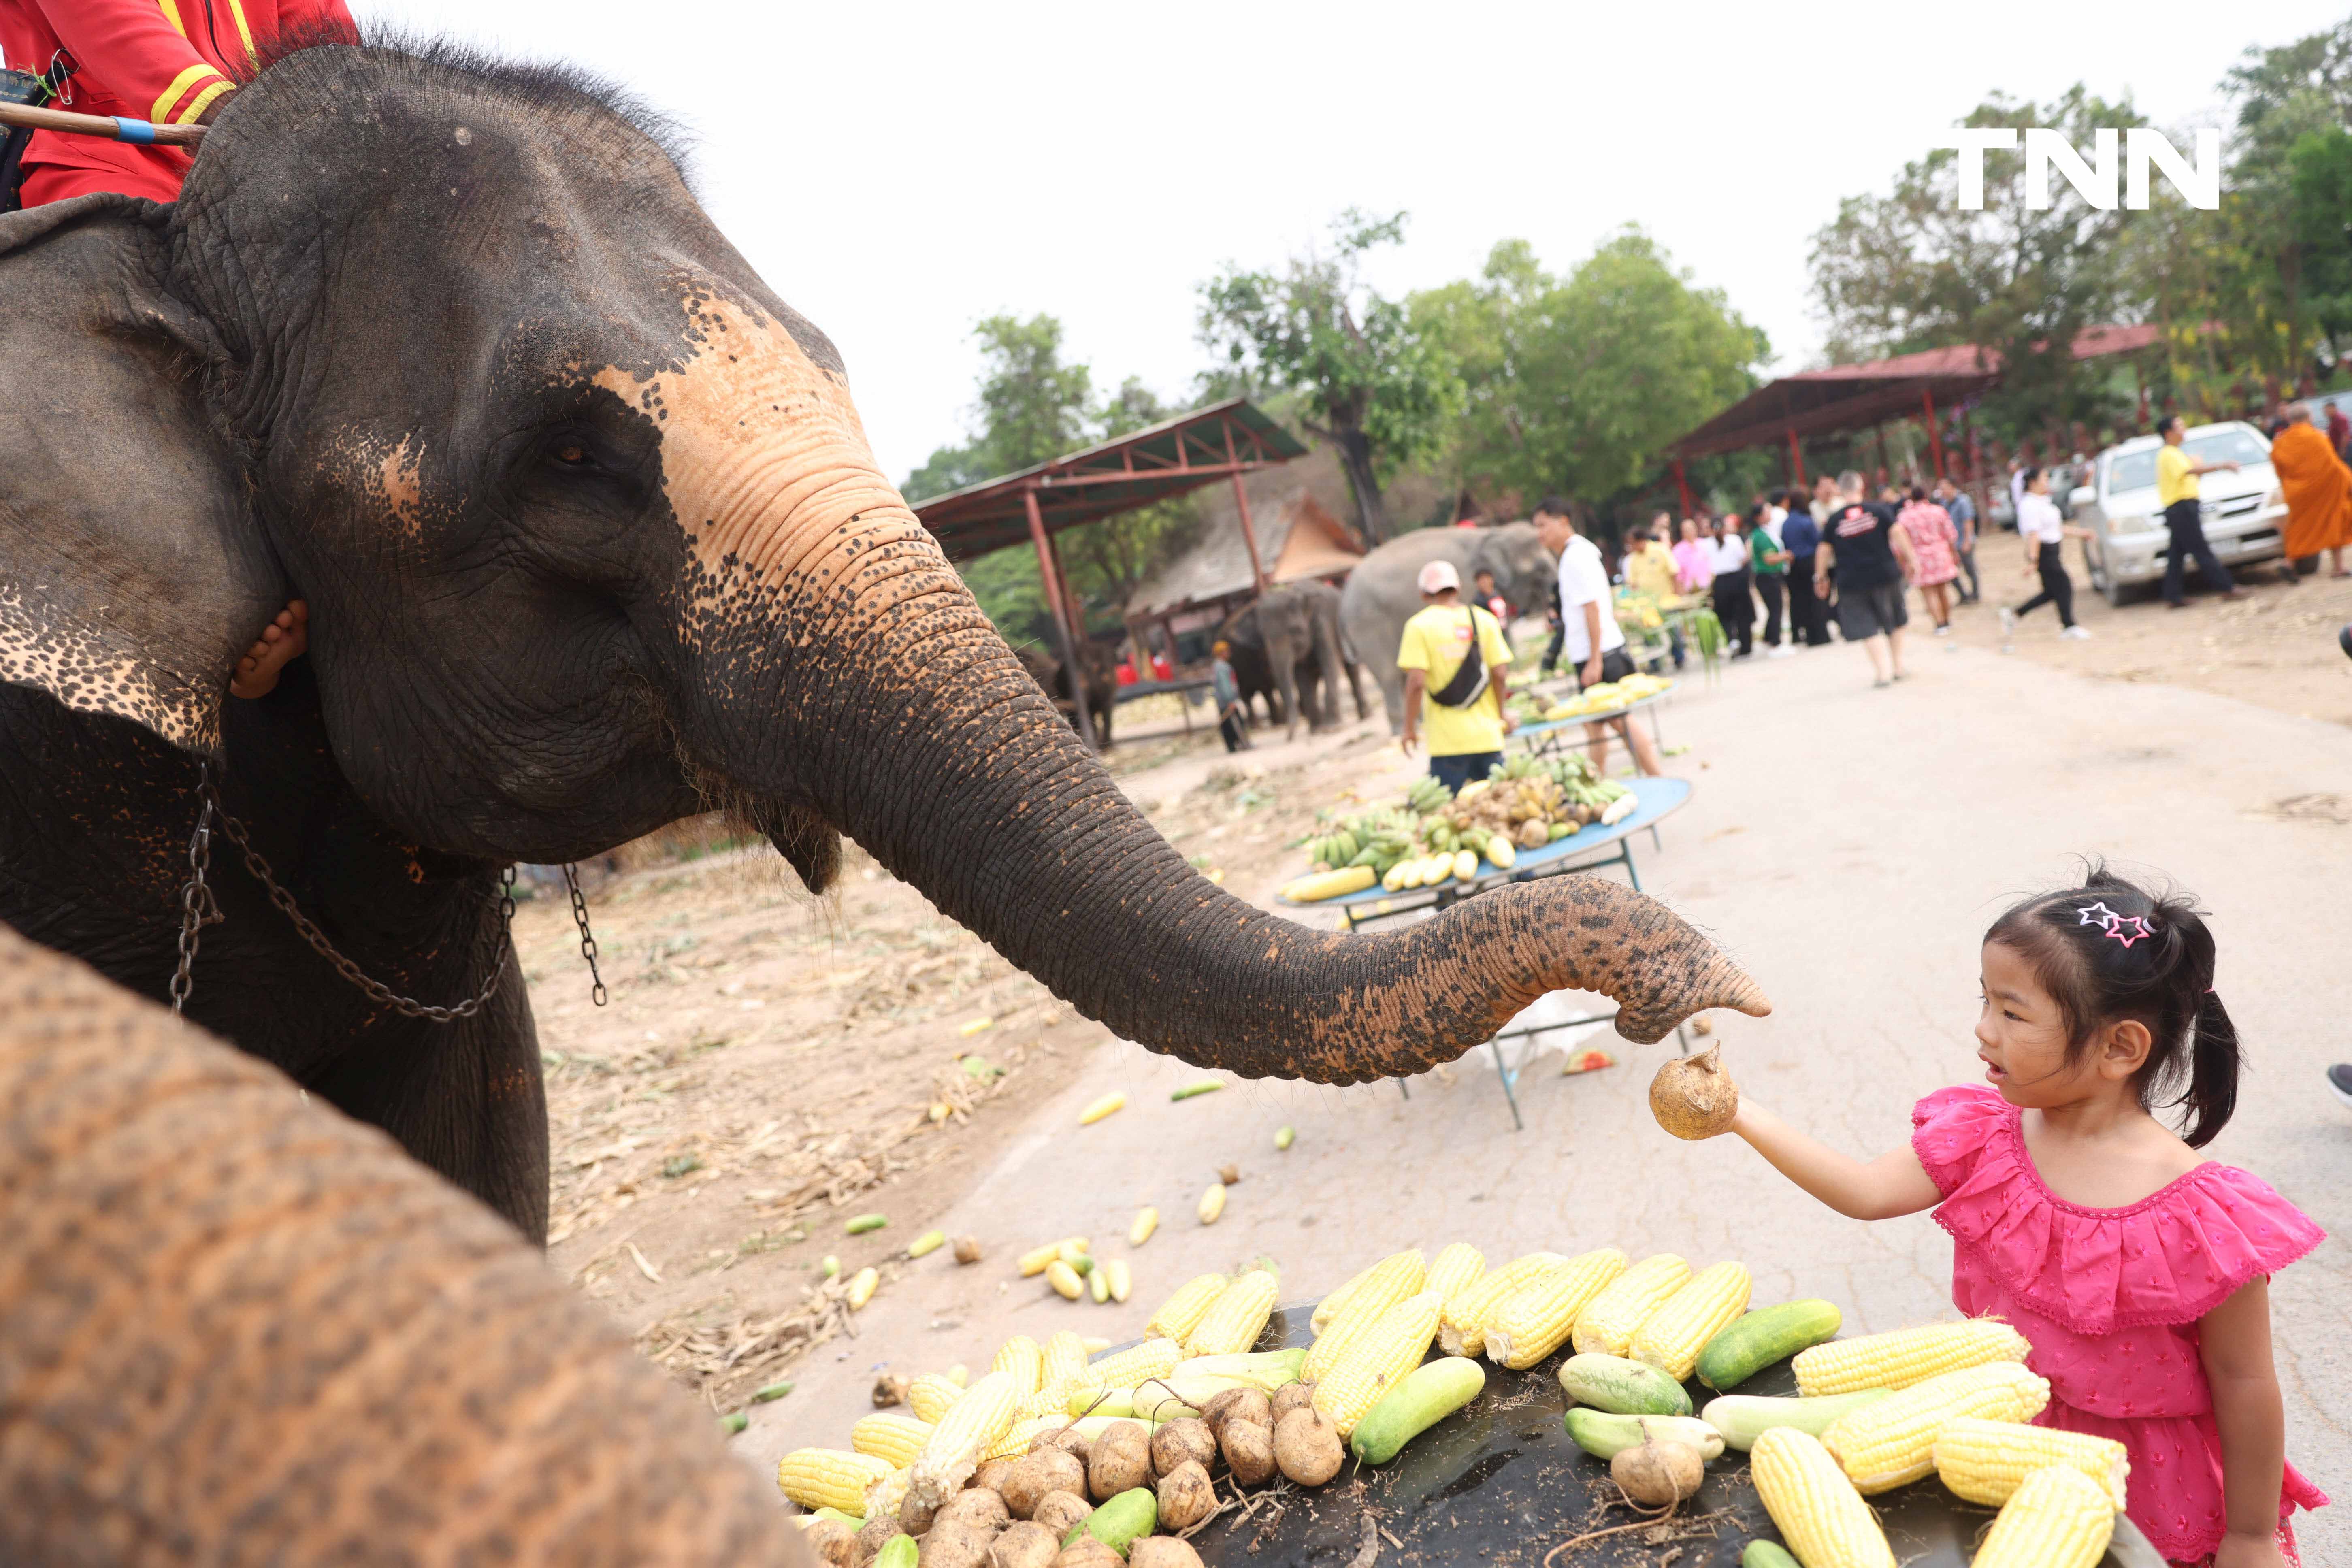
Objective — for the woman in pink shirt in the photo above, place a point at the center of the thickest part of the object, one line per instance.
(1694, 566)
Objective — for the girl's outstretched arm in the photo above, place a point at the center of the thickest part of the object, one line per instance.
(1892, 1185)
(2235, 1344)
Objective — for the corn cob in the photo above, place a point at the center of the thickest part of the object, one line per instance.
(1906, 1356)
(1455, 1271)
(1020, 1356)
(1181, 1312)
(1335, 1302)
(1892, 1441)
(1391, 1279)
(1984, 1461)
(1534, 1321)
(1379, 1356)
(1821, 1516)
(829, 1477)
(889, 1435)
(1064, 1362)
(1020, 1434)
(2057, 1518)
(929, 1396)
(1671, 1338)
(1609, 1320)
(884, 1496)
(1051, 1401)
(960, 1375)
(1137, 1364)
(968, 1429)
(1234, 1322)
(1462, 1328)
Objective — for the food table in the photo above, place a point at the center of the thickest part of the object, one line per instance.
(1544, 737)
(1499, 1483)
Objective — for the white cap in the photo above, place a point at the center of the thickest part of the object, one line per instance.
(1438, 577)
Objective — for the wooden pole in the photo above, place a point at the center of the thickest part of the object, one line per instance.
(1049, 569)
(1249, 534)
(1797, 458)
(1934, 440)
(110, 128)
(1681, 486)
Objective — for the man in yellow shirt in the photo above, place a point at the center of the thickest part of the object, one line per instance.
(1454, 655)
(1648, 567)
(2176, 492)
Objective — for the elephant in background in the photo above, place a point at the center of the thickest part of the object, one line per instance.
(1101, 666)
(591, 540)
(244, 1329)
(1289, 647)
(1383, 591)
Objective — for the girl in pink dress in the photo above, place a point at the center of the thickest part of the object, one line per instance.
(1936, 546)
(2138, 1269)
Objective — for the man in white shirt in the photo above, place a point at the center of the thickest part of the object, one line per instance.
(1593, 642)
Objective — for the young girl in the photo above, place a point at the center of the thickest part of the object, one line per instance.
(2137, 1269)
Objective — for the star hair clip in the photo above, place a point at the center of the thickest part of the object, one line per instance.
(2125, 929)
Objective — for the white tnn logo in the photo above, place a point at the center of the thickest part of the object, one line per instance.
(2200, 183)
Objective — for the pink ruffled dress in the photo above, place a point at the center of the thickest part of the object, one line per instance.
(2110, 1300)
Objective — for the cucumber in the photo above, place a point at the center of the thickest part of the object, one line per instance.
(1604, 1435)
(1744, 1417)
(1766, 1555)
(1128, 1517)
(1623, 1387)
(900, 1551)
(1420, 1399)
(1756, 1340)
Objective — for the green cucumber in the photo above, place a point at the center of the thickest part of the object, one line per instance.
(866, 1221)
(1766, 1555)
(1744, 1417)
(1194, 1090)
(1621, 1387)
(1754, 1341)
(1128, 1517)
(900, 1551)
(1604, 1435)
(850, 1520)
(1421, 1398)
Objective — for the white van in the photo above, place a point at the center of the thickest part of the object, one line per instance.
(2244, 512)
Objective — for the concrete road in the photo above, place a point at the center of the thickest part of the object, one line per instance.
(1849, 846)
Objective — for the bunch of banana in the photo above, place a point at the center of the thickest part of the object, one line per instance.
(1425, 794)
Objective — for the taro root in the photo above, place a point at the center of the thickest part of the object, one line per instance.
(1162, 1552)
(1249, 1451)
(1026, 1544)
(1250, 1405)
(1177, 1442)
(877, 1532)
(1307, 1448)
(1062, 1513)
(1121, 1460)
(967, 1249)
(833, 1541)
(1067, 1437)
(1086, 1552)
(1292, 1397)
(950, 1544)
(1658, 1472)
(992, 1475)
(1186, 1496)
(889, 1391)
(914, 1518)
(1693, 1097)
(979, 1507)
(1047, 1470)
(1229, 1174)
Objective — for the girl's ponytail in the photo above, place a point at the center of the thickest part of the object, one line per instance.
(2212, 1093)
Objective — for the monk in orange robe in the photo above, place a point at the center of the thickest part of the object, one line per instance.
(2318, 491)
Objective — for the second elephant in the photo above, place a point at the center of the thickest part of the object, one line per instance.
(1288, 645)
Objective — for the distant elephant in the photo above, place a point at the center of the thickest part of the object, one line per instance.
(1288, 641)
(1383, 592)
(1101, 665)
(243, 1330)
(591, 540)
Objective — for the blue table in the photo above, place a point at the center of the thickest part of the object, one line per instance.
(1546, 737)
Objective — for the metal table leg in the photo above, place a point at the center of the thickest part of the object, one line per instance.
(1504, 1071)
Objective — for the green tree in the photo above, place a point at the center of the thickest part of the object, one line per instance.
(1370, 383)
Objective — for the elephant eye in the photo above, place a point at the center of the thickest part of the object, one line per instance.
(570, 456)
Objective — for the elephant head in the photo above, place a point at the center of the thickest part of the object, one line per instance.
(592, 536)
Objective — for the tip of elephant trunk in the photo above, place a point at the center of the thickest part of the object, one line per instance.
(1713, 982)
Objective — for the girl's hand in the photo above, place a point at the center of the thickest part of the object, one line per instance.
(2249, 1551)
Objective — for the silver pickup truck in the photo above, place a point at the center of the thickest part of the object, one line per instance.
(2244, 512)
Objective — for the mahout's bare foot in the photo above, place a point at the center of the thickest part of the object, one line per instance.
(282, 641)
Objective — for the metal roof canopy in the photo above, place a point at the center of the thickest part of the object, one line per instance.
(1225, 440)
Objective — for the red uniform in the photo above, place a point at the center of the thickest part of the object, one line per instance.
(161, 61)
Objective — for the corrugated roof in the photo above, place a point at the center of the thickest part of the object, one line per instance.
(1297, 539)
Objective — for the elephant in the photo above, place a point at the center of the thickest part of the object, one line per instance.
(1101, 665)
(244, 1329)
(1287, 642)
(591, 540)
(1382, 592)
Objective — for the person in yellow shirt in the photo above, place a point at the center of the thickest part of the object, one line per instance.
(1648, 567)
(1453, 656)
(2176, 492)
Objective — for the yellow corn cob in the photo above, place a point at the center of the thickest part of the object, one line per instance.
(1382, 1353)
(1906, 1356)
(1455, 1271)
(1671, 1338)
(1044, 1402)
(1391, 1279)
(1462, 1328)
(959, 1374)
(1534, 1321)
(1064, 1360)
(829, 1477)
(1137, 1364)
(1020, 1434)
(886, 1434)
(861, 1286)
(2057, 1518)
(884, 1496)
(1181, 1312)
(1336, 1302)
(1234, 1322)
(1983, 1461)
(1020, 1356)
(1611, 1320)
(1893, 1440)
(1821, 1516)
(929, 1396)
(970, 1429)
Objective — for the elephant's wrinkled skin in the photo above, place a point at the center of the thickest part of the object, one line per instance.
(1381, 593)
(1287, 648)
(590, 536)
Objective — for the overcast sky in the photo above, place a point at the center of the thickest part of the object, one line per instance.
(897, 171)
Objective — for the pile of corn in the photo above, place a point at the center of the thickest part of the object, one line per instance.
(1132, 1441)
(1607, 697)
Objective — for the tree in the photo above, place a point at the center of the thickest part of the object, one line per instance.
(1579, 384)
(1370, 385)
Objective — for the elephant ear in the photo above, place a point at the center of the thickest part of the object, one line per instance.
(132, 572)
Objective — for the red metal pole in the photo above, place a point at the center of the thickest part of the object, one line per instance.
(1935, 441)
(1797, 460)
(1050, 570)
(1681, 486)
(1249, 534)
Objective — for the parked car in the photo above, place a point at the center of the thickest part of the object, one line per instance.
(2244, 512)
